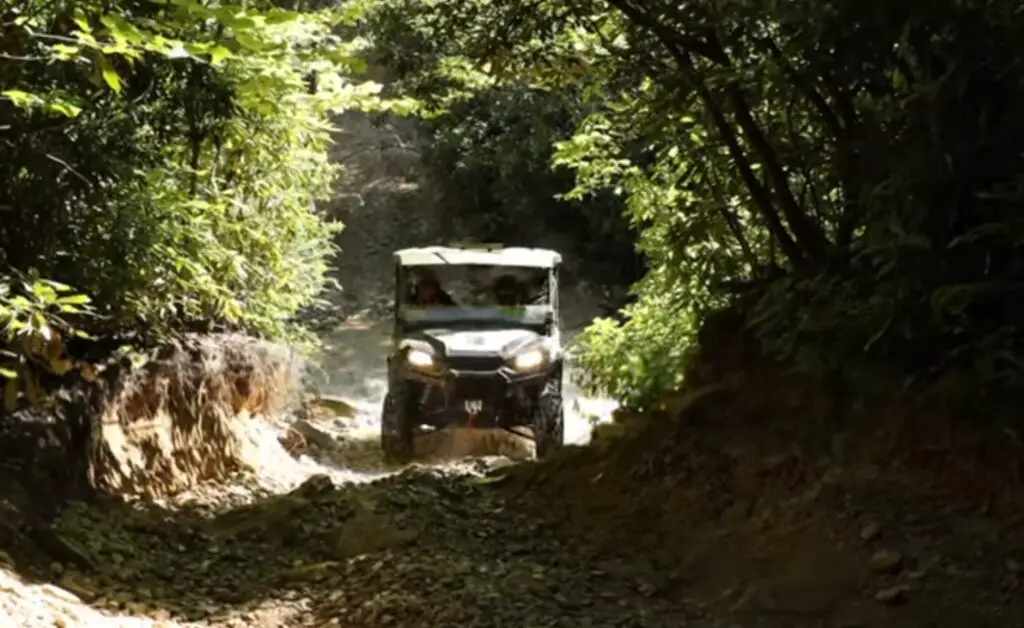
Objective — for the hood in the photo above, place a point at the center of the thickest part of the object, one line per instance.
(486, 341)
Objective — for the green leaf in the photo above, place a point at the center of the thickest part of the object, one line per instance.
(64, 108)
(75, 299)
(281, 16)
(249, 42)
(20, 98)
(82, 22)
(218, 54)
(109, 74)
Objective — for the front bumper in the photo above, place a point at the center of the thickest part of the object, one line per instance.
(477, 398)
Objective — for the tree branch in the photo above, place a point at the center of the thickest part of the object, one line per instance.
(808, 234)
(798, 254)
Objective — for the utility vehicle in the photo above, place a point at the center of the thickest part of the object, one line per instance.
(476, 343)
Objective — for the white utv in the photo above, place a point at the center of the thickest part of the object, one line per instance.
(476, 343)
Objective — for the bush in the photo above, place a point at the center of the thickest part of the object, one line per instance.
(166, 161)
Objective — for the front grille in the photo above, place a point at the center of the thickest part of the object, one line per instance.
(475, 362)
(488, 389)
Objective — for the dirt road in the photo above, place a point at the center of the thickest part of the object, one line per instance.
(330, 536)
(333, 538)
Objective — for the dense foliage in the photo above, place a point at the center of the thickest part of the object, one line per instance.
(844, 174)
(848, 171)
(488, 147)
(160, 165)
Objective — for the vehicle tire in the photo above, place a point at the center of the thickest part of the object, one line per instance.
(549, 422)
(396, 428)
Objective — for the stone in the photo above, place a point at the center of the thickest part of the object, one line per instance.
(870, 532)
(895, 594)
(886, 561)
(367, 533)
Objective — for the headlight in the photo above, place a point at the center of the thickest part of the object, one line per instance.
(529, 360)
(419, 359)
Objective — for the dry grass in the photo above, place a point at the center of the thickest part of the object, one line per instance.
(172, 423)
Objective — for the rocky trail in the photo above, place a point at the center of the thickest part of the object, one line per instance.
(421, 548)
(693, 524)
(718, 531)
(322, 533)
(722, 529)
(324, 536)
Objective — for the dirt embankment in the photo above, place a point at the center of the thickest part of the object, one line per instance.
(758, 497)
(178, 420)
(168, 425)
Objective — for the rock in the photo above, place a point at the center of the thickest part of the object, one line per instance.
(870, 532)
(367, 533)
(270, 519)
(892, 595)
(886, 561)
(66, 550)
(333, 405)
(160, 614)
(609, 431)
(315, 436)
(316, 485)
(77, 585)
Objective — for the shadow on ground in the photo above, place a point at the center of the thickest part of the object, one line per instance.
(597, 537)
(422, 548)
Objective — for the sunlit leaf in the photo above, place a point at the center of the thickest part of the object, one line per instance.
(109, 74)
(218, 54)
(75, 299)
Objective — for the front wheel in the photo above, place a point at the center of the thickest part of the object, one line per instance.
(396, 429)
(549, 423)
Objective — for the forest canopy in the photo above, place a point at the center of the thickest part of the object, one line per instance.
(845, 173)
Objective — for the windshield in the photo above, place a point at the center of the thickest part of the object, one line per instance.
(445, 285)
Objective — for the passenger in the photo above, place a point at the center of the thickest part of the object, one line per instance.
(429, 292)
(507, 291)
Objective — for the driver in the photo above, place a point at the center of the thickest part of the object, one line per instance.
(507, 291)
(429, 292)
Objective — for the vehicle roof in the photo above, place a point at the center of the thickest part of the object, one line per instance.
(468, 256)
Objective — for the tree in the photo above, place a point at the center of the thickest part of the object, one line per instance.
(853, 165)
(164, 158)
